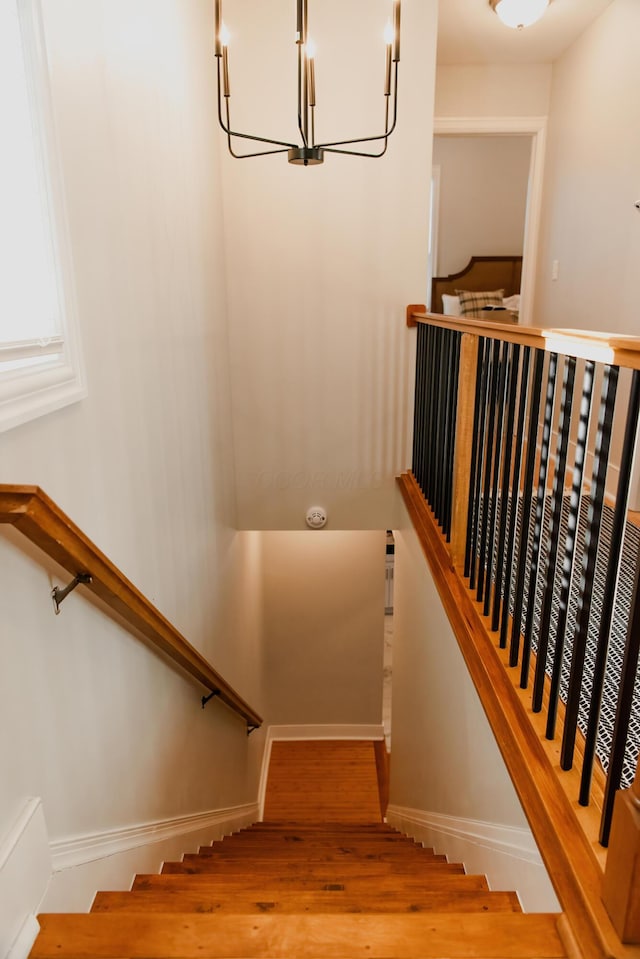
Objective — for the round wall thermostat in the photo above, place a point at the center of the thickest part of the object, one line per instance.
(316, 517)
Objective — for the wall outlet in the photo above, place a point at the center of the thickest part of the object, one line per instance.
(555, 269)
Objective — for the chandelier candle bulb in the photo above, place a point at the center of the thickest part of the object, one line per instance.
(217, 29)
(388, 36)
(311, 64)
(224, 39)
(300, 38)
(396, 31)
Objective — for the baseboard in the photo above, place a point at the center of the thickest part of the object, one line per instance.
(314, 731)
(507, 855)
(67, 853)
(110, 859)
(25, 870)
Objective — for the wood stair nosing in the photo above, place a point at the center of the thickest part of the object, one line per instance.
(295, 901)
(328, 854)
(311, 870)
(189, 936)
(355, 884)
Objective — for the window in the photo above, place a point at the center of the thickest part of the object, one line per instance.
(40, 364)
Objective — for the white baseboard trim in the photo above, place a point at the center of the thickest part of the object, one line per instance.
(25, 870)
(312, 731)
(507, 855)
(333, 731)
(68, 853)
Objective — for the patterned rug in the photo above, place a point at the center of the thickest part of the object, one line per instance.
(630, 550)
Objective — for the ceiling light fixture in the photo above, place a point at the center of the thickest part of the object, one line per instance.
(308, 152)
(519, 13)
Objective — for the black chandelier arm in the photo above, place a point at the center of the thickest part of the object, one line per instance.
(301, 93)
(260, 153)
(245, 136)
(357, 153)
(382, 136)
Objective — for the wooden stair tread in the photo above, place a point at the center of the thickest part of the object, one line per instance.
(312, 870)
(297, 901)
(328, 854)
(188, 936)
(354, 884)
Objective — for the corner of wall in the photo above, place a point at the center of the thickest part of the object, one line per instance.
(25, 871)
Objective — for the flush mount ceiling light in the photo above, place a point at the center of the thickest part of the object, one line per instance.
(519, 13)
(307, 152)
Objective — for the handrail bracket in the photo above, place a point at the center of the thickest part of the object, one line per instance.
(205, 699)
(59, 595)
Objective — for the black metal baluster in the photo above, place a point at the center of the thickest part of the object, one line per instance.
(527, 639)
(610, 589)
(483, 565)
(420, 404)
(444, 434)
(623, 710)
(575, 502)
(534, 413)
(515, 496)
(439, 417)
(484, 400)
(471, 512)
(497, 445)
(511, 392)
(451, 431)
(430, 424)
(596, 502)
(557, 499)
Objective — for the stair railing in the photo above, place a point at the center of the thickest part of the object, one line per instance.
(37, 517)
(511, 492)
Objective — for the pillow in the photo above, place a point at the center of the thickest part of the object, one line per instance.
(512, 302)
(450, 304)
(471, 302)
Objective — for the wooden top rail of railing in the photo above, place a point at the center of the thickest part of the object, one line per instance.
(614, 348)
(37, 517)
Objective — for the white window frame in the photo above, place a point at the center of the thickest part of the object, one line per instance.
(57, 378)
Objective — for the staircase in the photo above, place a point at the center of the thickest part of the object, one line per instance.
(315, 890)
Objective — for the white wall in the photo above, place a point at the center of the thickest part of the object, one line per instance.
(590, 224)
(94, 723)
(324, 626)
(321, 264)
(493, 90)
(483, 197)
(449, 784)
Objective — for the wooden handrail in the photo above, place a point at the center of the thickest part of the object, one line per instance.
(613, 348)
(37, 517)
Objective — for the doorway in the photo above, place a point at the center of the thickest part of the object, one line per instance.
(533, 129)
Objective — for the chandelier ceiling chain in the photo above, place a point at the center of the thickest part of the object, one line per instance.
(308, 152)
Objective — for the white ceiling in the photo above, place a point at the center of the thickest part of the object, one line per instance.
(470, 32)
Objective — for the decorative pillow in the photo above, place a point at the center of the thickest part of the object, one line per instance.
(450, 305)
(471, 302)
(512, 302)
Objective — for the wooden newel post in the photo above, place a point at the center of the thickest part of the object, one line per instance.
(621, 887)
(464, 446)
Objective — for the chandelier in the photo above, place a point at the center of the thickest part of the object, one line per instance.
(307, 152)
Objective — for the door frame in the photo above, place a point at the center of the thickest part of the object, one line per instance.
(536, 128)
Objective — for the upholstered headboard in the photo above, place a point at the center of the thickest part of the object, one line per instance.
(481, 273)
